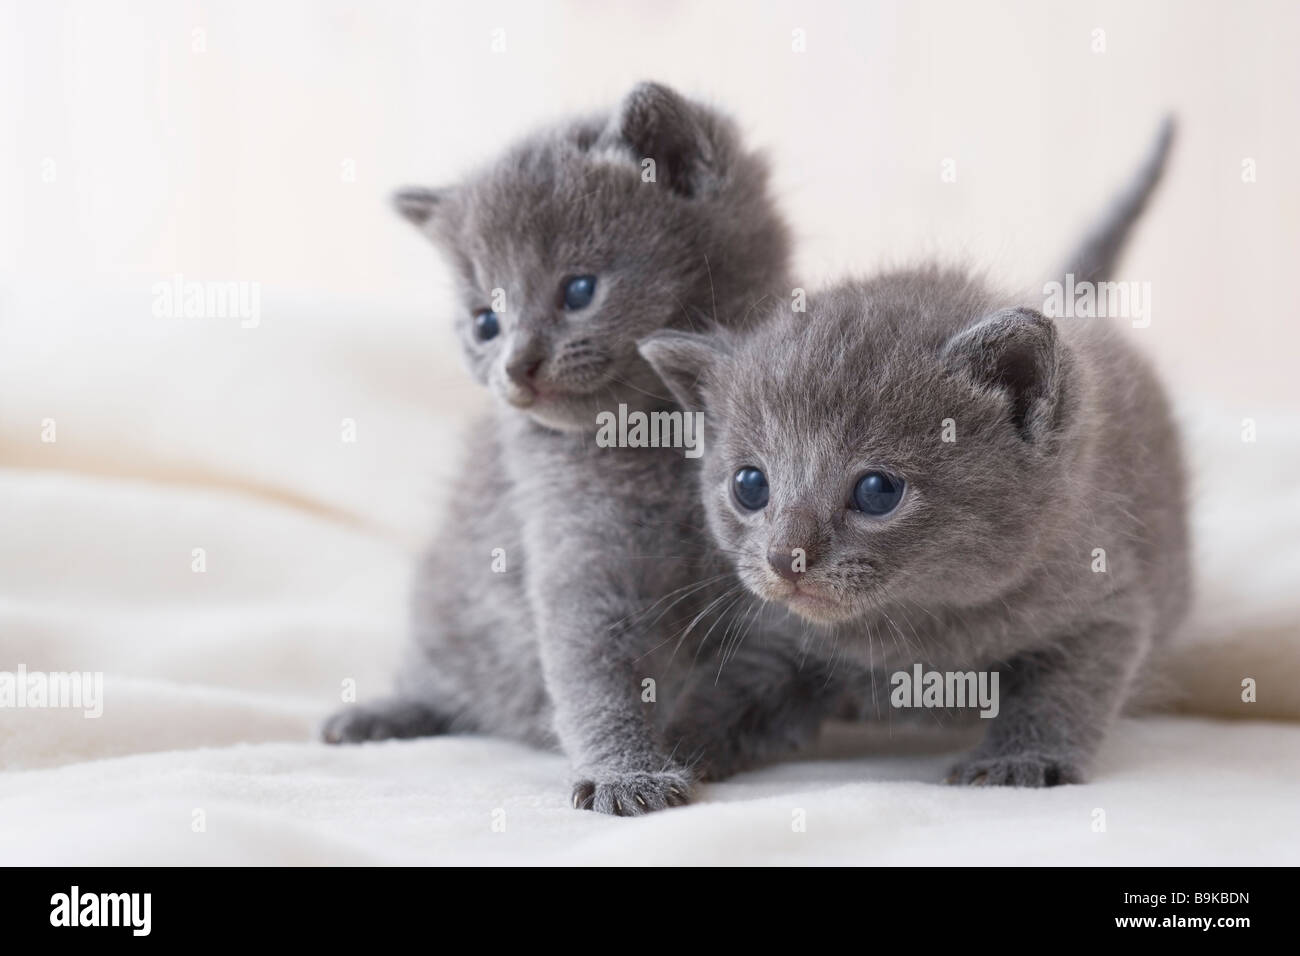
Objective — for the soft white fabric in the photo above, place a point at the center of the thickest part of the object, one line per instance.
(1169, 791)
(214, 681)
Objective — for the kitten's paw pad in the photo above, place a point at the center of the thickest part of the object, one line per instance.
(1018, 770)
(631, 794)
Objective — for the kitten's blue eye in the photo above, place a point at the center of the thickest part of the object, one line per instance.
(578, 292)
(877, 493)
(750, 487)
(486, 325)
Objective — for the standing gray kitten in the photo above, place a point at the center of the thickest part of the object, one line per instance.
(928, 471)
(568, 249)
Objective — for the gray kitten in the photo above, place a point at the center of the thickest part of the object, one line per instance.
(571, 247)
(924, 470)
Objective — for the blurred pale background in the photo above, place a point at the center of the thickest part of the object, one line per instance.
(211, 139)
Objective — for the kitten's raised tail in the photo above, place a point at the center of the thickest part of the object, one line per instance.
(1095, 257)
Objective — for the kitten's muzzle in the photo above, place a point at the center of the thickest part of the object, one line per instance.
(798, 548)
(784, 563)
(519, 397)
(807, 601)
(521, 381)
(522, 372)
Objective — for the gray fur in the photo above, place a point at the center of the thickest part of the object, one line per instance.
(604, 567)
(1064, 444)
(1095, 257)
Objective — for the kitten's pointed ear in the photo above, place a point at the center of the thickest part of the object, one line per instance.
(660, 124)
(682, 360)
(1018, 352)
(417, 204)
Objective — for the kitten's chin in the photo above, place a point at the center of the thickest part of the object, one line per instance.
(815, 606)
(560, 416)
(819, 610)
(560, 413)
(577, 411)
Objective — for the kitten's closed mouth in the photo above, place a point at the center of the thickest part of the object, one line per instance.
(533, 396)
(813, 604)
(547, 393)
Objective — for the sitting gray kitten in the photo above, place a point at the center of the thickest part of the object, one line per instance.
(568, 249)
(925, 470)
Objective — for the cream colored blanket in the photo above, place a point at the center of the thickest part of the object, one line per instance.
(219, 520)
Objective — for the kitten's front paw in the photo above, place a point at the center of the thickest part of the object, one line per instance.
(383, 720)
(1016, 770)
(354, 725)
(631, 794)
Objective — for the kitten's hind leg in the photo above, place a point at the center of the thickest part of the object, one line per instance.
(764, 704)
(386, 718)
